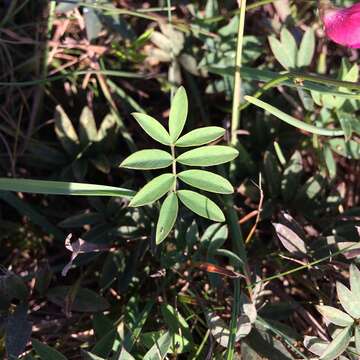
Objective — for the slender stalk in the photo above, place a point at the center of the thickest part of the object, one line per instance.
(233, 220)
(235, 117)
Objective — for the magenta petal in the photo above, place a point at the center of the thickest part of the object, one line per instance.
(343, 26)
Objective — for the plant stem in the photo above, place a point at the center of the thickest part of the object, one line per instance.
(232, 217)
(235, 117)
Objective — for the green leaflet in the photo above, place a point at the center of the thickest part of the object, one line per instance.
(206, 180)
(208, 156)
(201, 205)
(200, 136)
(338, 345)
(355, 280)
(348, 301)
(153, 190)
(167, 217)
(335, 316)
(148, 159)
(178, 114)
(153, 128)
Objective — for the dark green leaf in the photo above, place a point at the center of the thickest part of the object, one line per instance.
(18, 331)
(86, 300)
(46, 352)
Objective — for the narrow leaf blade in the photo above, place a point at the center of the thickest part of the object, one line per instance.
(62, 188)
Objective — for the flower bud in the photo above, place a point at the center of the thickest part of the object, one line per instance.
(342, 25)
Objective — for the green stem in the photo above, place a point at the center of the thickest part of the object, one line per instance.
(232, 217)
(235, 117)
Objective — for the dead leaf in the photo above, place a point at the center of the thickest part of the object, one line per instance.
(80, 246)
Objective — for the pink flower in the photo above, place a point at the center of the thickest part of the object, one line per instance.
(342, 25)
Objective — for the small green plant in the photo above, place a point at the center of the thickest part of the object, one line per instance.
(169, 182)
(346, 324)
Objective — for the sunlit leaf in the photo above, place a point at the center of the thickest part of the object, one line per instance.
(153, 190)
(148, 159)
(289, 45)
(357, 338)
(62, 188)
(307, 48)
(292, 120)
(355, 281)
(153, 128)
(208, 156)
(178, 114)
(161, 347)
(201, 205)
(338, 345)
(206, 180)
(315, 345)
(87, 127)
(348, 301)
(167, 217)
(335, 316)
(200, 136)
(349, 149)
